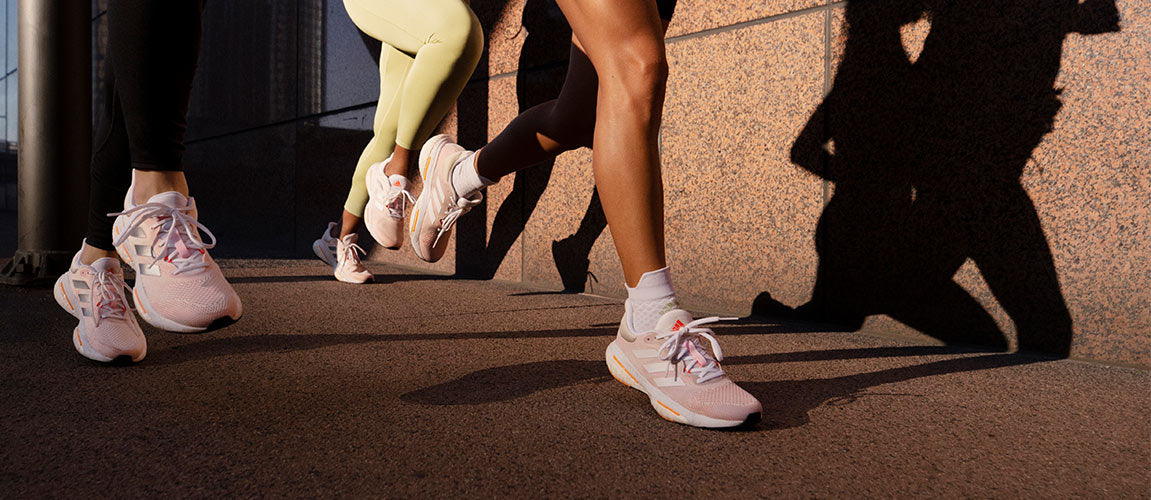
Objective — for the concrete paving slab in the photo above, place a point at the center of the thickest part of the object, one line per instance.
(432, 386)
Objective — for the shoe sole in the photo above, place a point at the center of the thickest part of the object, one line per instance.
(78, 337)
(373, 193)
(143, 305)
(430, 150)
(340, 277)
(621, 369)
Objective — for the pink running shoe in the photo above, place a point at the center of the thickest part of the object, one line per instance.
(348, 267)
(438, 206)
(683, 380)
(387, 198)
(178, 286)
(95, 295)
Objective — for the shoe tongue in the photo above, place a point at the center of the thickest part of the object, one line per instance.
(350, 238)
(107, 265)
(170, 198)
(673, 320)
(398, 181)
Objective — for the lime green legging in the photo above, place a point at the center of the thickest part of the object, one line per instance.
(430, 49)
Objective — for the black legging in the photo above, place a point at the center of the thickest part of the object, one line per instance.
(152, 50)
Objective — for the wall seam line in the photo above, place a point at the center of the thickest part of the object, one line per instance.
(745, 24)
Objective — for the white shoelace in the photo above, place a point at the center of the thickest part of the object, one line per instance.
(350, 253)
(175, 226)
(396, 193)
(107, 299)
(682, 345)
(460, 207)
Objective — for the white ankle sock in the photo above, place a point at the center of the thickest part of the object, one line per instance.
(650, 299)
(466, 180)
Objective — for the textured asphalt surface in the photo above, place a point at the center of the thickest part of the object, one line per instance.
(423, 385)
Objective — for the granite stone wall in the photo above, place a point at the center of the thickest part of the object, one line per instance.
(972, 172)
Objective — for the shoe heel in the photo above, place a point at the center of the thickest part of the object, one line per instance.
(61, 297)
(121, 249)
(317, 248)
(431, 149)
(615, 365)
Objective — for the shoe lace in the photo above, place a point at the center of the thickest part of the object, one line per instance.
(352, 253)
(176, 229)
(107, 297)
(682, 345)
(396, 193)
(461, 207)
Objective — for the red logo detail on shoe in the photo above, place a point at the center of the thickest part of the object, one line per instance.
(397, 184)
(678, 324)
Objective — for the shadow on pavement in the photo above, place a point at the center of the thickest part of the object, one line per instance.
(280, 342)
(283, 342)
(379, 278)
(786, 402)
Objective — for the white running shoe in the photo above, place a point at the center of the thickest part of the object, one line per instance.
(348, 267)
(682, 379)
(438, 206)
(178, 286)
(387, 198)
(325, 246)
(95, 295)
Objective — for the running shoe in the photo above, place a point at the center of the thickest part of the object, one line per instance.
(387, 198)
(681, 377)
(179, 287)
(438, 206)
(95, 295)
(325, 246)
(348, 267)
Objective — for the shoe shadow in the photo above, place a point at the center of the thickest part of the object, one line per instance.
(249, 345)
(504, 383)
(787, 403)
(236, 280)
(378, 280)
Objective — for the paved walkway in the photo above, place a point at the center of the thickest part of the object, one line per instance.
(422, 385)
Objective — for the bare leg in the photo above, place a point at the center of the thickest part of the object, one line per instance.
(401, 159)
(348, 224)
(90, 254)
(570, 121)
(624, 41)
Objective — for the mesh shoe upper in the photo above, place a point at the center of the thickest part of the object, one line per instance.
(181, 282)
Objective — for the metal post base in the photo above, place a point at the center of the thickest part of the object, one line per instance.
(35, 268)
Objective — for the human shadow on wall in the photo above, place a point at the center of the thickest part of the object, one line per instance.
(542, 68)
(926, 159)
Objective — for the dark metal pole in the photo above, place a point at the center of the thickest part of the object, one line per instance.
(55, 142)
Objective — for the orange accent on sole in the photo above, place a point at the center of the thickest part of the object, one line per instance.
(78, 341)
(140, 303)
(70, 306)
(666, 407)
(126, 254)
(415, 217)
(627, 372)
